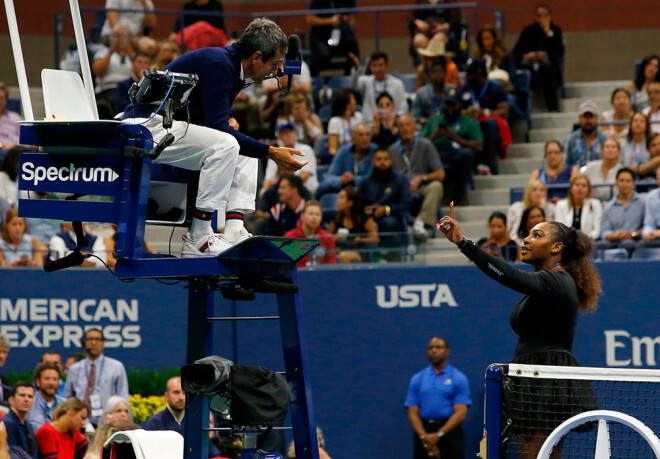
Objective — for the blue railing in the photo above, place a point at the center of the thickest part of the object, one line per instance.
(278, 15)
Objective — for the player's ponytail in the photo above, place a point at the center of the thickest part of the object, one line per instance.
(575, 260)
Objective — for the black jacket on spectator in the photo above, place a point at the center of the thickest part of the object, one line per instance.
(533, 38)
(389, 189)
(213, 6)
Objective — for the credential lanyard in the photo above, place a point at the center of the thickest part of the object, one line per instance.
(482, 93)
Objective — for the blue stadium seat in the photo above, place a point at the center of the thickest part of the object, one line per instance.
(13, 105)
(522, 95)
(317, 84)
(341, 82)
(321, 169)
(409, 81)
(615, 254)
(324, 116)
(329, 205)
(646, 253)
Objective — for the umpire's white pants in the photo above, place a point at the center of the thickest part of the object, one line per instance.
(227, 181)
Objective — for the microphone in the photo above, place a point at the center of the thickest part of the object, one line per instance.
(75, 258)
(292, 60)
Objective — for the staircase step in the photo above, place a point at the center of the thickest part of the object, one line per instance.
(573, 104)
(526, 150)
(544, 135)
(500, 181)
(594, 89)
(489, 197)
(554, 120)
(519, 165)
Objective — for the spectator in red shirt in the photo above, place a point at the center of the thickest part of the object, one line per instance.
(309, 227)
(61, 438)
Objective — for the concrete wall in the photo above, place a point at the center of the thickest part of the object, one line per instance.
(604, 38)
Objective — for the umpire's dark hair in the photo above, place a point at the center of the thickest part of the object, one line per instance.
(20, 384)
(296, 182)
(575, 260)
(262, 35)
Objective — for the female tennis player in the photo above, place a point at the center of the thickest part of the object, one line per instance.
(564, 281)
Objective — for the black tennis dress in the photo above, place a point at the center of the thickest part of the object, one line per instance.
(545, 321)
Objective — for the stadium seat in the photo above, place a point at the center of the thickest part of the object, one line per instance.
(409, 81)
(646, 253)
(13, 105)
(329, 205)
(321, 169)
(324, 116)
(615, 254)
(317, 84)
(522, 95)
(341, 82)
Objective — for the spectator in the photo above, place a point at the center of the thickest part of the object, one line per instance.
(351, 163)
(287, 136)
(102, 433)
(603, 171)
(291, 453)
(652, 112)
(634, 151)
(140, 62)
(117, 410)
(332, 36)
(384, 128)
(370, 86)
(148, 46)
(96, 378)
(498, 243)
(584, 144)
(646, 171)
(428, 25)
(621, 111)
(579, 210)
(433, 52)
(199, 10)
(42, 229)
(110, 244)
(61, 438)
(430, 98)
(416, 157)
(437, 402)
(20, 433)
(112, 66)
(309, 227)
(172, 417)
(5, 346)
(9, 129)
(536, 194)
(297, 110)
(284, 215)
(623, 217)
(540, 48)
(554, 171)
(135, 22)
(387, 195)
(4, 449)
(344, 120)
(491, 100)
(9, 175)
(167, 52)
(490, 47)
(352, 228)
(46, 400)
(457, 138)
(51, 356)
(63, 244)
(72, 358)
(530, 218)
(4, 208)
(647, 73)
(17, 247)
(270, 198)
(651, 230)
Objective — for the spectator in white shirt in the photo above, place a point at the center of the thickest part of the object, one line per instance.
(579, 210)
(344, 119)
(652, 112)
(135, 21)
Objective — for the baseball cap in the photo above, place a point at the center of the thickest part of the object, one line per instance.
(588, 106)
(286, 124)
(476, 65)
(452, 96)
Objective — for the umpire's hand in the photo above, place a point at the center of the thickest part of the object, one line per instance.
(284, 159)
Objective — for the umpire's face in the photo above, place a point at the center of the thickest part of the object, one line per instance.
(260, 69)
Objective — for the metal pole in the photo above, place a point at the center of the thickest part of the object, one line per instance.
(18, 60)
(82, 54)
(377, 27)
(57, 30)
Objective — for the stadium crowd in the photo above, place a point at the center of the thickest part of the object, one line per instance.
(384, 151)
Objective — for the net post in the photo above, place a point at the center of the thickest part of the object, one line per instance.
(492, 410)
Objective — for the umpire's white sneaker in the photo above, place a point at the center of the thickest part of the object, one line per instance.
(209, 245)
(237, 238)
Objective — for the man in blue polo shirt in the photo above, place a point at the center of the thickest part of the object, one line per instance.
(437, 402)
